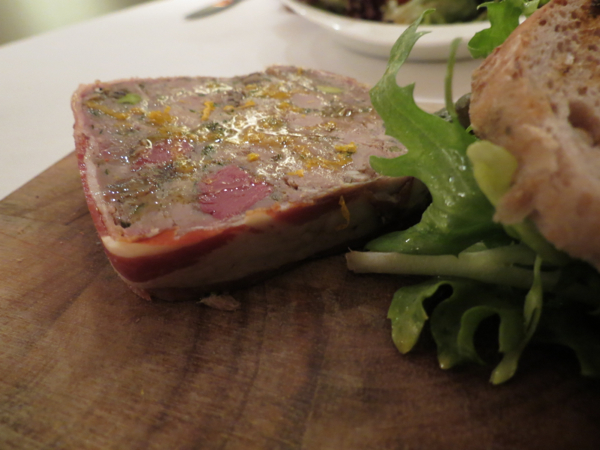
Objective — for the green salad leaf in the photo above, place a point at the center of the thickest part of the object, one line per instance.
(456, 320)
(480, 270)
(130, 98)
(459, 215)
(444, 11)
(504, 18)
(508, 265)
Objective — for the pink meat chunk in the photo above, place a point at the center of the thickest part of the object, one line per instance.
(230, 192)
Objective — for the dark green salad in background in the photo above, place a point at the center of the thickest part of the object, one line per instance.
(407, 11)
(478, 269)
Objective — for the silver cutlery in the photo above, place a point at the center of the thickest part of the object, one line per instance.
(221, 5)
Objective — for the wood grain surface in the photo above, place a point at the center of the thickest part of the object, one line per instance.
(307, 362)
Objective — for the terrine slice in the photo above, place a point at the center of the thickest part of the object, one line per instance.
(196, 183)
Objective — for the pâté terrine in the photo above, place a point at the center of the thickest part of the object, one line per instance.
(195, 184)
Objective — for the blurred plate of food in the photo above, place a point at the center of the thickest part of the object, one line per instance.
(373, 26)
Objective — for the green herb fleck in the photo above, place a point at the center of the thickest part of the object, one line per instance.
(330, 89)
(130, 99)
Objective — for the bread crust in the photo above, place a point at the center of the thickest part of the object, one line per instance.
(538, 95)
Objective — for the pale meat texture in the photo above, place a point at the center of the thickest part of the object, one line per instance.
(195, 183)
(538, 95)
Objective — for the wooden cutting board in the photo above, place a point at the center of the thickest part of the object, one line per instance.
(307, 362)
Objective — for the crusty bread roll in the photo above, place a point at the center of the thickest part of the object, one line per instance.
(538, 95)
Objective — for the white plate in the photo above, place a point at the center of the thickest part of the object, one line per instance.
(377, 39)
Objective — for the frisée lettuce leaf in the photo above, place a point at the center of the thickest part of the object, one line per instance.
(504, 17)
(479, 268)
(459, 215)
